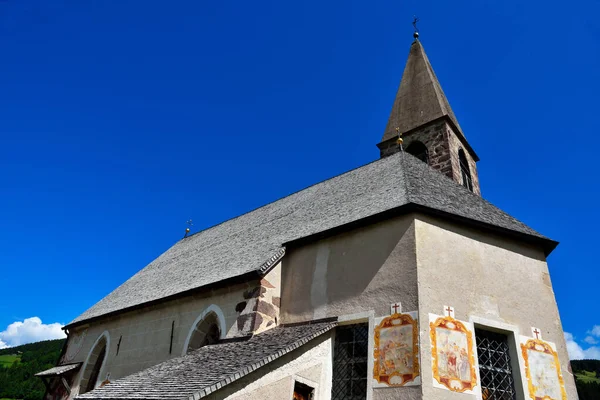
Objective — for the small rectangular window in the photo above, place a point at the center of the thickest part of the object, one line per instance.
(350, 357)
(303, 392)
(495, 371)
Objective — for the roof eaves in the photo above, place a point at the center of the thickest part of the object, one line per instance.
(261, 271)
(271, 262)
(547, 244)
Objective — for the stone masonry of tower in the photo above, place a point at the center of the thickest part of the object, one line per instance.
(421, 112)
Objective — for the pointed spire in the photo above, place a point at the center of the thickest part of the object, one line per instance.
(420, 98)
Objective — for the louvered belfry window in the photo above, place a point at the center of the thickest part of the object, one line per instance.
(350, 355)
(495, 371)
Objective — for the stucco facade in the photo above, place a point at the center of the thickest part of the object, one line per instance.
(143, 337)
(420, 261)
(492, 281)
(352, 272)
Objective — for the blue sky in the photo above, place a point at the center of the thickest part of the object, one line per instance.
(121, 120)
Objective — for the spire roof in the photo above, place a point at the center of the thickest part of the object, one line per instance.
(420, 98)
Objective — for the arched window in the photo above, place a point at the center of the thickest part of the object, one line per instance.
(94, 364)
(207, 331)
(465, 172)
(419, 150)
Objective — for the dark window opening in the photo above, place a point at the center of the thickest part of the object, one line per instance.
(96, 371)
(303, 392)
(465, 172)
(419, 150)
(206, 332)
(495, 371)
(350, 355)
(91, 373)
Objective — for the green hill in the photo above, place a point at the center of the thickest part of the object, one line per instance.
(8, 360)
(587, 378)
(18, 365)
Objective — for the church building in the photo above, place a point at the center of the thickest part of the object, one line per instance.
(395, 280)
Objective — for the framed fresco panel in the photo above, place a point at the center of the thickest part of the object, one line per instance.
(396, 351)
(542, 368)
(453, 357)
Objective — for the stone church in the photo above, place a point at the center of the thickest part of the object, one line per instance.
(395, 280)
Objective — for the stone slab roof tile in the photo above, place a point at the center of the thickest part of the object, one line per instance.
(209, 368)
(250, 242)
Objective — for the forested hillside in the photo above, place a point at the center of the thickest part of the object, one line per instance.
(18, 365)
(587, 374)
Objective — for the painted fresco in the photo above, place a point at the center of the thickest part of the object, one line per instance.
(453, 360)
(542, 369)
(396, 351)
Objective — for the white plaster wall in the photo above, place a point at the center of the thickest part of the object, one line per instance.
(484, 277)
(311, 364)
(357, 271)
(146, 332)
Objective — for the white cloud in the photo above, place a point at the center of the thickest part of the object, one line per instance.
(595, 331)
(28, 331)
(576, 352)
(3, 345)
(590, 340)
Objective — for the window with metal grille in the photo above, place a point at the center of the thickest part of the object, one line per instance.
(495, 371)
(350, 355)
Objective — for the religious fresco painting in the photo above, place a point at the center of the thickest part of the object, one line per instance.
(453, 359)
(396, 354)
(542, 369)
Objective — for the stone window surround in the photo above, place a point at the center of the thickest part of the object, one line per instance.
(512, 333)
(83, 380)
(362, 317)
(213, 308)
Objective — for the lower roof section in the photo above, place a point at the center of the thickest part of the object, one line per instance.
(210, 368)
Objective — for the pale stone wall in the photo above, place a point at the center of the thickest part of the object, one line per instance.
(309, 364)
(364, 269)
(485, 278)
(145, 334)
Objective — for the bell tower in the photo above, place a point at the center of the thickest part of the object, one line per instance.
(422, 116)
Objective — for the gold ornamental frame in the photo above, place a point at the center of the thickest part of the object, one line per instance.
(452, 384)
(388, 322)
(542, 347)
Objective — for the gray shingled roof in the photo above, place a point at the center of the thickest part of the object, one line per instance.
(209, 368)
(251, 241)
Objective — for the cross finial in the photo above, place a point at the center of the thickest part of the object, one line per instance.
(414, 24)
(399, 141)
(187, 230)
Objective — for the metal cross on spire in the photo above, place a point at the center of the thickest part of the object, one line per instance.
(414, 24)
